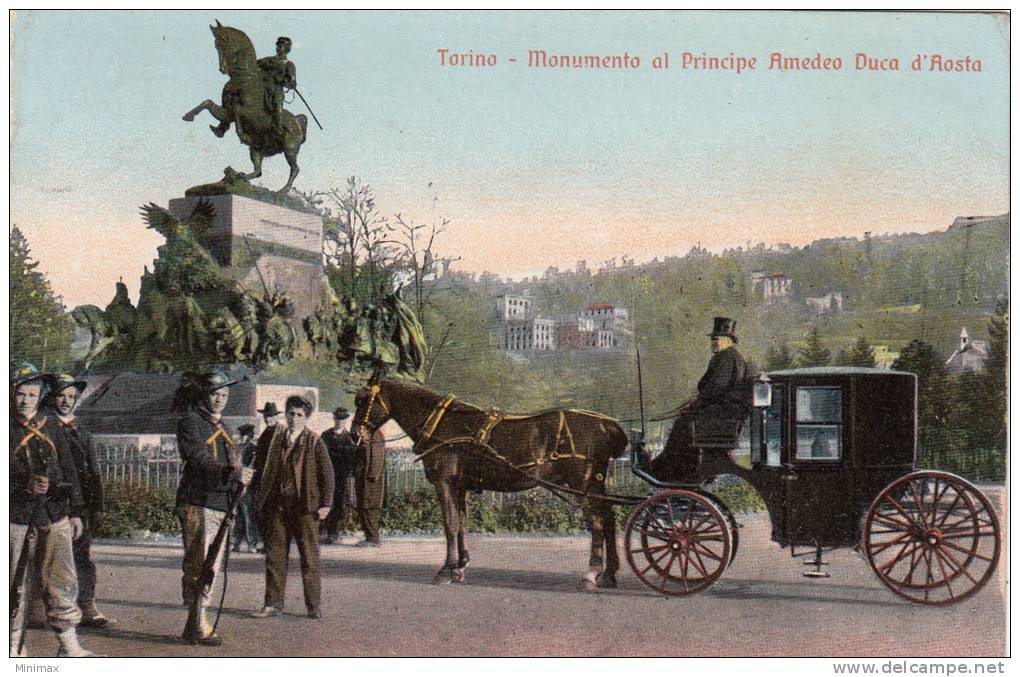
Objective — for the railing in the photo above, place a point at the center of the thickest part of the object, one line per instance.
(148, 465)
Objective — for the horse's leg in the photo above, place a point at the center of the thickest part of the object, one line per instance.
(294, 169)
(608, 577)
(448, 504)
(216, 110)
(256, 163)
(593, 513)
(462, 549)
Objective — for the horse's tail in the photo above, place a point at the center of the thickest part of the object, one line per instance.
(303, 121)
(619, 440)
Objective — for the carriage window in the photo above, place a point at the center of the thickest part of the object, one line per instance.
(819, 424)
(773, 431)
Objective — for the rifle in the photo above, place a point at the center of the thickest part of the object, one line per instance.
(208, 574)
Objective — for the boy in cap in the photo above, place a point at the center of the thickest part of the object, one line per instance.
(45, 515)
(294, 493)
(212, 468)
(61, 401)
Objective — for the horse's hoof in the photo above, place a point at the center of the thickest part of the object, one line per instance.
(457, 576)
(606, 582)
(189, 117)
(442, 578)
(590, 587)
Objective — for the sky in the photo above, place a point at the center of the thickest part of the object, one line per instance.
(534, 167)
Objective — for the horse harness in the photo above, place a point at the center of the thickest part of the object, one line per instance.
(564, 438)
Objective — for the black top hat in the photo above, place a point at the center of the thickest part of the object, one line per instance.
(59, 382)
(283, 38)
(341, 413)
(269, 410)
(724, 326)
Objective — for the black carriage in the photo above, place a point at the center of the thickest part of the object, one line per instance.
(832, 451)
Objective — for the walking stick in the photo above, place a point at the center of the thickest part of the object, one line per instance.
(21, 570)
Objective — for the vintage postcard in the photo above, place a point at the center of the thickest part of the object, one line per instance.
(515, 333)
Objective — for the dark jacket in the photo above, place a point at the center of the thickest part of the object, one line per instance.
(724, 389)
(307, 459)
(85, 463)
(42, 453)
(342, 452)
(206, 450)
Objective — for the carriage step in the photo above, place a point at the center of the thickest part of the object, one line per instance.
(816, 574)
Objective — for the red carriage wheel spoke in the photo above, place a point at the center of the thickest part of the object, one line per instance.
(706, 552)
(664, 572)
(900, 509)
(920, 507)
(700, 566)
(949, 511)
(966, 534)
(892, 562)
(655, 534)
(894, 524)
(945, 577)
(914, 559)
(655, 562)
(888, 544)
(649, 549)
(971, 554)
(948, 556)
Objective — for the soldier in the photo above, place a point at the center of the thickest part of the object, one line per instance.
(45, 515)
(62, 401)
(370, 476)
(212, 466)
(722, 394)
(279, 74)
(341, 448)
(294, 493)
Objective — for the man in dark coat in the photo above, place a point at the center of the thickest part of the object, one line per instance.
(341, 449)
(722, 395)
(370, 479)
(212, 468)
(62, 401)
(246, 529)
(294, 491)
(46, 509)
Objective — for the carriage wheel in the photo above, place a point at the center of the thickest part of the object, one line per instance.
(932, 538)
(678, 542)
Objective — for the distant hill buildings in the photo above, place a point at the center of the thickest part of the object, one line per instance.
(520, 328)
(969, 357)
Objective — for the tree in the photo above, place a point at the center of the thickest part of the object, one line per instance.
(814, 353)
(360, 254)
(778, 357)
(933, 395)
(418, 256)
(40, 328)
(861, 354)
(994, 393)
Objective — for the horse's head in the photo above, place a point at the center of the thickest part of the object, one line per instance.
(234, 48)
(371, 408)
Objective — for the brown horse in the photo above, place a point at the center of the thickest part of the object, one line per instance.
(466, 448)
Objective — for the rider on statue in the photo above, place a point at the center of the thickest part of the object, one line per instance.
(279, 74)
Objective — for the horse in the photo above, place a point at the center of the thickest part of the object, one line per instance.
(244, 105)
(465, 448)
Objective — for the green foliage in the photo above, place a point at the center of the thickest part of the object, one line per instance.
(861, 354)
(778, 357)
(40, 328)
(740, 497)
(814, 353)
(129, 510)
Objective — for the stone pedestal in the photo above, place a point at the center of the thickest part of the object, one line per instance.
(252, 237)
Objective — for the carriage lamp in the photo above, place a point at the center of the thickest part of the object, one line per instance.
(762, 392)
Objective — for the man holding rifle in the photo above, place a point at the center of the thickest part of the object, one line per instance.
(210, 479)
(45, 517)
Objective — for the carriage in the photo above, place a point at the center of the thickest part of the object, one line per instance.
(832, 451)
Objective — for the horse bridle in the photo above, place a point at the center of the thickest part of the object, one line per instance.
(373, 398)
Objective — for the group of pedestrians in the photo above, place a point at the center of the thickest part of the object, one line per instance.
(56, 504)
(293, 492)
(288, 485)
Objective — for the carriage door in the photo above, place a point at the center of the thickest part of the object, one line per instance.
(817, 500)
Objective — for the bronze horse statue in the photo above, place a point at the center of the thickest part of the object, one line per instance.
(467, 448)
(245, 106)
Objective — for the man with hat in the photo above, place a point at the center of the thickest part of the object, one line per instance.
(294, 492)
(370, 485)
(722, 394)
(211, 470)
(46, 506)
(62, 401)
(269, 414)
(341, 449)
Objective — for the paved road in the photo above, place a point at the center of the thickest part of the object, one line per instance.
(521, 598)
